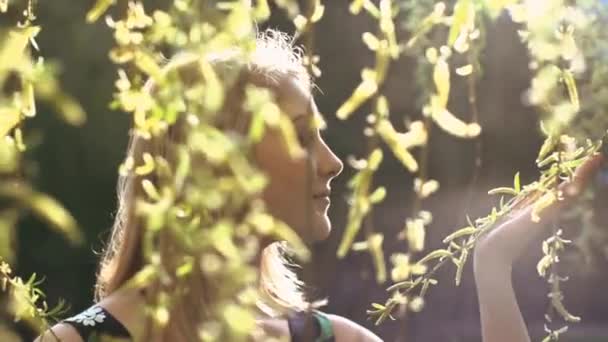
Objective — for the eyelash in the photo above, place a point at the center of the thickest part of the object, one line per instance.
(305, 138)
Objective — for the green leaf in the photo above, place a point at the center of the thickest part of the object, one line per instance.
(441, 78)
(147, 64)
(8, 220)
(543, 265)
(544, 202)
(378, 306)
(391, 138)
(463, 18)
(375, 249)
(355, 6)
(460, 233)
(51, 211)
(352, 228)
(439, 253)
(453, 125)
(517, 183)
(460, 266)
(370, 41)
(571, 86)
(559, 307)
(101, 6)
(548, 146)
(378, 195)
(318, 12)
(46, 208)
(367, 88)
(375, 158)
(503, 190)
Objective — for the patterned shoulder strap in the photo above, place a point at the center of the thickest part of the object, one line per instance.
(95, 322)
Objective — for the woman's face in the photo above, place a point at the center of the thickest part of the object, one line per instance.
(290, 195)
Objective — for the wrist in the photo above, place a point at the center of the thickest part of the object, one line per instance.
(490, 264)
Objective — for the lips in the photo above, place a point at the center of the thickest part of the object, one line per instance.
(321, 194)
(322, 199)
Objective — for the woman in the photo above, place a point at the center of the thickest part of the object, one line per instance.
(277, 66)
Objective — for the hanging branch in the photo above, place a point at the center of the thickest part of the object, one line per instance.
(24, 79)
(384, 44)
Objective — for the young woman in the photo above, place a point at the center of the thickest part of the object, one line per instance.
(277, 66)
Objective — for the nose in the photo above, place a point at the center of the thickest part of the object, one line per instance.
(329, 165)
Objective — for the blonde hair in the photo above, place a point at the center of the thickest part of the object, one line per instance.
(274, 58)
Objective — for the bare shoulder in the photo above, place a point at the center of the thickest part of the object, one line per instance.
(347, 330)
(60, 332)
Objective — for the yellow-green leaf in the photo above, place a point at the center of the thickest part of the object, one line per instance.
(462, 20)
(464, 70)
(415, 234)
(436, 254)
(363, 92)
(318, 13)
(543, 203)
(571, 86)
(371, 41)
(517, 183)
(355, 6)
(391, 138)
(441, 77)
(459, 233)
(559, 307)
(451, 124)
(377, 253)
(378, 195)
(503, 190)
(46, 208)
(101, 6)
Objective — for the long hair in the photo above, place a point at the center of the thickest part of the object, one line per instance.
(274, 58)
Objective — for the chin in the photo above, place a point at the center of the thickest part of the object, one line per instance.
(321, 228)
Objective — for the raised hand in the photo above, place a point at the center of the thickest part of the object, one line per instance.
(506, 242)
(501, 319)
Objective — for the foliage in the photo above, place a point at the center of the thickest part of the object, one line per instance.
(24, 76)
(205, 202)
(557, 35)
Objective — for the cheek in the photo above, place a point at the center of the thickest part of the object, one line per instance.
(285, 194)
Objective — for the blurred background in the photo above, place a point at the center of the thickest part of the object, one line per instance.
(78, 166)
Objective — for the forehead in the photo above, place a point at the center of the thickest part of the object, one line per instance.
(295, 98)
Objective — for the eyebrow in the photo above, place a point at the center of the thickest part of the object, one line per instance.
(299, 116)
(321, 127)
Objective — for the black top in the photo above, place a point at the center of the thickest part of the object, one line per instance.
(95, 322)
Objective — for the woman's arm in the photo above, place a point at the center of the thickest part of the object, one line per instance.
(61, 332)
(501, 319)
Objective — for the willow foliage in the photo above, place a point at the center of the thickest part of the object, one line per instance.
(24, 75)
(216, 221)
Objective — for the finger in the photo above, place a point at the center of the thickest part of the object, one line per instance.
(582, 175)
(588, 168)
